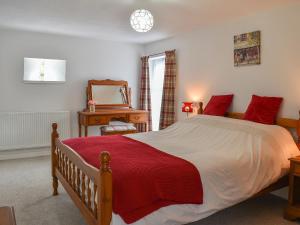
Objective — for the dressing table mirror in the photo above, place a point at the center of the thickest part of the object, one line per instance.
(113, 102)
(108, 93)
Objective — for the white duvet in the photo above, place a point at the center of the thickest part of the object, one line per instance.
(235, 159)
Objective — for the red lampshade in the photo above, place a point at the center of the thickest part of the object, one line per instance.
(187, 107)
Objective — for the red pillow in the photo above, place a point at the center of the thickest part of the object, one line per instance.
(218, 105)
(263, 109)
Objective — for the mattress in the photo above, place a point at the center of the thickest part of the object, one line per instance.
(236, 159)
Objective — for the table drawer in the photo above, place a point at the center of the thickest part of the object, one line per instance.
(138, 118)
(98, 120)
(117, 117)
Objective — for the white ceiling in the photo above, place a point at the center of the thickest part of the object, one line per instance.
(109, 19)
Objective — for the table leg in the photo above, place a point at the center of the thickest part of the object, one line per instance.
(79, 130)
(79, 126)
(146, 126)
(85, 131)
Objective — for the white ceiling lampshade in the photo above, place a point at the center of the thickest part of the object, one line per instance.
(141, 20)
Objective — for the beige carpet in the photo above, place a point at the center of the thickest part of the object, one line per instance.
(25, 184)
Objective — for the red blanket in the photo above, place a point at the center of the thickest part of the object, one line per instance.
(144, 178)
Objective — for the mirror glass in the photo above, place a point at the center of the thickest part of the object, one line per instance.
(109, 94)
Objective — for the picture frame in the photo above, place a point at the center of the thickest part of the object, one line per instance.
(247, 49)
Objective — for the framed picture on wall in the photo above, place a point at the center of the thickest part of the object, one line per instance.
(247, 49)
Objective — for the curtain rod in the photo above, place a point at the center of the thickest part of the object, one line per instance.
(158, 54)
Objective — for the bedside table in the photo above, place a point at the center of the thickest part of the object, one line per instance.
(292, 212)
(7, 216)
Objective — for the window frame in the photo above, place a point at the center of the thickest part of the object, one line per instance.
(27, 81)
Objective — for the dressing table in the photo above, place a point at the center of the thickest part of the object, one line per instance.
(113, 102)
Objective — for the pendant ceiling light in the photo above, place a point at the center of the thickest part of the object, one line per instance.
(141, 20)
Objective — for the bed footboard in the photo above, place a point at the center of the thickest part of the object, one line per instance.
(90, 188)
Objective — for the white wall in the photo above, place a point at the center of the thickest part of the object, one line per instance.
(86, 59)
(205, 60)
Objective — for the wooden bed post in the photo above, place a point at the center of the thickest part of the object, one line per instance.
(200, 110)
(105, 190)
(54, 136)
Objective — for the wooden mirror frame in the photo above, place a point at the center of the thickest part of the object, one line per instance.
(111, 83)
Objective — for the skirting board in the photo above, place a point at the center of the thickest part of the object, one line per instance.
(24, 153)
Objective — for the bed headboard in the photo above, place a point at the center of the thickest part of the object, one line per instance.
(288, 123)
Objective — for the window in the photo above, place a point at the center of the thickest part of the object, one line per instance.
(44, 70)
(156, 71)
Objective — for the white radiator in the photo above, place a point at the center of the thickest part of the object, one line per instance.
(22, 130)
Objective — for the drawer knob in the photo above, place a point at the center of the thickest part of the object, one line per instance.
(97, 120)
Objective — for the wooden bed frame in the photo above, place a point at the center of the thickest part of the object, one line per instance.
(91, 188)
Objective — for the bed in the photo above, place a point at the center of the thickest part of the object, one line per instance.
(227, 179)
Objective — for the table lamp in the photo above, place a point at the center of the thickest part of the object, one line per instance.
(187, 107)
